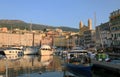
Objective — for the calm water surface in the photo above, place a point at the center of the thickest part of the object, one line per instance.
(39, 66)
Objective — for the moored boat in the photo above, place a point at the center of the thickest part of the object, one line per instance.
(74, 55)
(45, 50)
(13, 51)
(79, 63)
(30, 50)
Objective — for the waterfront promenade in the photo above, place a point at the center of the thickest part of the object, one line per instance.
(114, 54)
(107, 66)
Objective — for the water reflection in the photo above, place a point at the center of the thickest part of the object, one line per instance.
(13, 57)
(13, 65)
(38, 66)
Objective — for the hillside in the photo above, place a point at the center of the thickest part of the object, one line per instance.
(23, 25)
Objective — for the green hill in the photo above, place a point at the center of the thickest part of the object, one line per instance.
(24, 25)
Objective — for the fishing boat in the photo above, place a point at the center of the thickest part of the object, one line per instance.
(79, 67)
(46, 50)
(79, 63)
(76, 55)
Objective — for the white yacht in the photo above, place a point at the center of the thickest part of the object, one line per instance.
(13, 51)
(46, 50)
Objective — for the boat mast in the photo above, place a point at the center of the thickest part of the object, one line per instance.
(33, 34)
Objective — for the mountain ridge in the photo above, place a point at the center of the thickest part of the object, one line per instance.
(22, 25)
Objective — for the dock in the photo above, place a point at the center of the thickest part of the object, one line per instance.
(114, 54)
(107, 66)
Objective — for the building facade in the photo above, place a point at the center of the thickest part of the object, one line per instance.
(26, 39)
(108, 33)
(115, 28)
(103, 35)
(87, 35)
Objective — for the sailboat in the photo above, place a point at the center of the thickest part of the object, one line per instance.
(30, 50)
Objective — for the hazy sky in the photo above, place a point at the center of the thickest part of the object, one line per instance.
(58, 12)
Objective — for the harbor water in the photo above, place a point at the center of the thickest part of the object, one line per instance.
(40, 66)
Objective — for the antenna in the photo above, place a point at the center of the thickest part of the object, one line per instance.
(99, 31)
(95, 26)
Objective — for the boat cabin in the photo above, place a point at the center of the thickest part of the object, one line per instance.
(77, 53)
(80, 56)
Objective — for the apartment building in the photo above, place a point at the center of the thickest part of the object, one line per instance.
(115, 28)
(103, 35)
(108, 33)
(89, 37)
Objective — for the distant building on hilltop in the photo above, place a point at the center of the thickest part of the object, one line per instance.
(3, 29)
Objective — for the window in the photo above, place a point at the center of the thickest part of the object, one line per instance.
(112, 35)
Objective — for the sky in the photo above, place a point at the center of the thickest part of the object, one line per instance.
(59, 12)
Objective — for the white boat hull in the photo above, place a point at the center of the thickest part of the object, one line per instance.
(46, 50)
(13, 52)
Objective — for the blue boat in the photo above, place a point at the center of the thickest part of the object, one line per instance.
(79, 63)
(79, 69)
